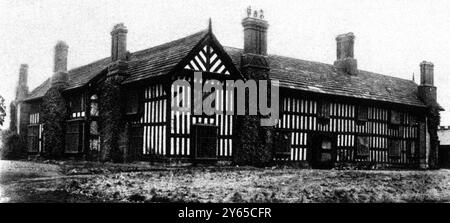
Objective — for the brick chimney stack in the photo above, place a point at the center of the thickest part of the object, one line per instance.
(114, 133)
(22, 85)
(119, 42)
(255, 32)
(427, 73)
(427, 90)
(345, 60)
(60, 75)
(253, 142)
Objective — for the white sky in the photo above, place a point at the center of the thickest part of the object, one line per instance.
(392, 36)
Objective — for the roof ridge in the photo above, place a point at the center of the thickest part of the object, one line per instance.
(141, 51)
(80, 72)
(40, 86)
(166, 44)
(323, 63)
(87, 65)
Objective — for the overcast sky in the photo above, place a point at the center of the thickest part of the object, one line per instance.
(392, 36)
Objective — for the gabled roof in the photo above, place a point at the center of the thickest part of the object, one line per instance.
(161, 59)
(292, 73)
(78, 77)
(39, 91)
(326, 79)
(154, 61)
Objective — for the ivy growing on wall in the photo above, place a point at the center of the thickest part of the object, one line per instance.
(110, 120)
(252, 142)
(434, 120)
(12, 117)
(54, 113)
(2, 110)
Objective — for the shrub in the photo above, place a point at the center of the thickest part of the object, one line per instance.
(12, 146)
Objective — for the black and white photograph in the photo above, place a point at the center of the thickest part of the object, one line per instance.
(225, 102)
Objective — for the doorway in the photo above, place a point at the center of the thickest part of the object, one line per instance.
(204, 142)
(322, 151)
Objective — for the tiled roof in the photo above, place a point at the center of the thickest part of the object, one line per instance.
(40, 90)
(77, 78)
(154, 61)
(326, 79)
(82, 75)
(161, 59)
(292, 73)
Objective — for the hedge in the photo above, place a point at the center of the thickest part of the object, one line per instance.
(12, 146)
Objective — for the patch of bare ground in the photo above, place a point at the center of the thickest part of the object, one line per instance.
(20, 170)
(73, 181)
(265, 185)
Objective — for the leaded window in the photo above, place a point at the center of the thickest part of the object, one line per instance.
(362, 114)
(362, 146)
(395, 117)
(323, 110)
(74, 136)
(394, 149)
(132, 102)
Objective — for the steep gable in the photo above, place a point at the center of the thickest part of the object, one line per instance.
(210, 56)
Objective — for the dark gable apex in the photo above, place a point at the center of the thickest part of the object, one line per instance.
(227, 59)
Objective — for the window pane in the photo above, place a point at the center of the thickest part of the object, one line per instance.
(326, 144)
(94, 144)
(94, 109)
(132, 102)
(362, 146)
(94, 128)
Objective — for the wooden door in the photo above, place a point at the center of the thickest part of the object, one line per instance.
(204, 142)
(322, 151)
(136, 142)
(282, 143)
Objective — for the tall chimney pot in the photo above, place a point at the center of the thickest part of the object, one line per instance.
(345, 60)
(61, 50)
(427, 73)
(22, 85)
(255, 33)
(427, 92)
(119, 42)
(60, 75)
(23, 75)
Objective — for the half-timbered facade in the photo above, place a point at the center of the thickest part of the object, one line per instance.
(328, 113)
